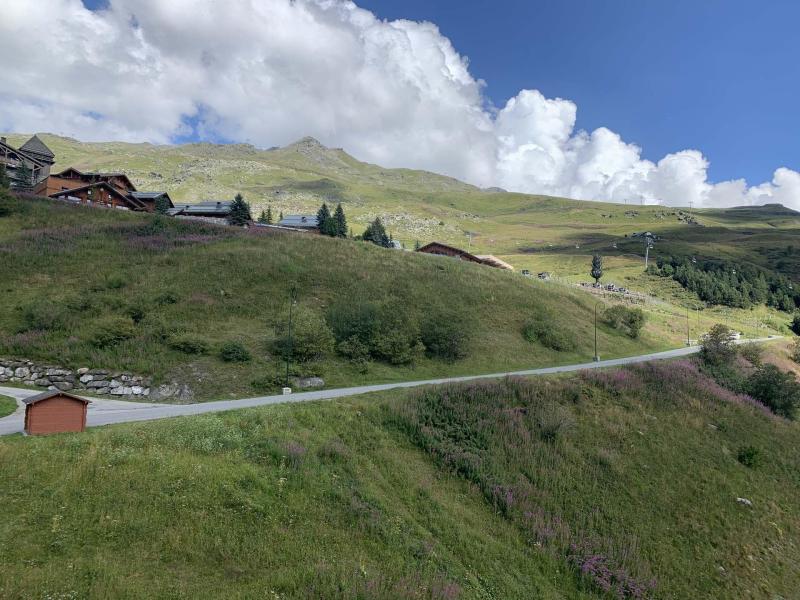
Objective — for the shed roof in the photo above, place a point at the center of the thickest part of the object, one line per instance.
(299, 221)
(101, 184)
(52, 394)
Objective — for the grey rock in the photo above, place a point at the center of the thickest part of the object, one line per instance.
(94, 385)
(82, 371)
(98, 372)
(43, 382)
(22, 372)
(86, 378)
(118, 391)
(137, 390)
(307, 382)
(115, 384)
(64, 386)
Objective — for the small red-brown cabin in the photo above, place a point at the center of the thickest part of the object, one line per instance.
(54, 412)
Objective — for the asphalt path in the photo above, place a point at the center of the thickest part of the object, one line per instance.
(107, 412)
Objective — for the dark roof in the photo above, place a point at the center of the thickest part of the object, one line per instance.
(150, 196)
(91, 174)
(37, 146)
(299, 221)
(100, 184)
(211, 207)
(52, 394)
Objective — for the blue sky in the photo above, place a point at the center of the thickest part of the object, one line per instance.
(677, 101)
(719, 75)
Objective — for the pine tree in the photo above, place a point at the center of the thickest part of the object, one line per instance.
(4, 182)
(162, 205)
(280, 217)
(417, 245)
(240, 212)
(597, 268)
(24, 175)
(323, 218)
(376, 233)
(269, 214)
(341, 221)
(262, 218)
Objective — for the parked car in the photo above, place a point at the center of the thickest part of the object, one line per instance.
(526, 273)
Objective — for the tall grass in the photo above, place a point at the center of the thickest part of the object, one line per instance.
(575, 464)
(169, 278)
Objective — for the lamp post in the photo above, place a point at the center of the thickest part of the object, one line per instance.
(292, 301)
(688, 331)
(596, 355)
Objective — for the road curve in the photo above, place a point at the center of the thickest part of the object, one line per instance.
(107, 412)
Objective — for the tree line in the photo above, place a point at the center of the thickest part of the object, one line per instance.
(728, 283)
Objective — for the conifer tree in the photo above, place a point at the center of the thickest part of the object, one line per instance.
(262, 218)
(269, 214)
(597, 268)
(323, 218)
(376, 233)
(24, 175)
(240, 212)
(280, 217)
(162, 205)
(341, 221)
(417, 245)
(4, 182)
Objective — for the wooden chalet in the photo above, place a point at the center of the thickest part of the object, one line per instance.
(34, 154)
(114, 190)
(300, 222)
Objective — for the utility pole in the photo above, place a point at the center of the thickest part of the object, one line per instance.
(292, 301)
(596, 355)
(688, 331)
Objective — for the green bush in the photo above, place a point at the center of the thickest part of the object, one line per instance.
(189, 344)
(115, 282)
(43, 315)
(752, 353)
(544, 331)
(311, 337)
(795, 350)
(778, 390)
(748, 456)
(717, 347)
(628, 320)
(136, 312)
(234, 352)
(447, 336)
(387, 330)
(167, 297)
(795, 325)
(110, 331)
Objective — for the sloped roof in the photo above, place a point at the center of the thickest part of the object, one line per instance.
(37, 146)
(463, 254)
(299, 221)
(51, 394)
(210, 207)
(493, 261)
(151, 196)
(100, 184)
(98, 175)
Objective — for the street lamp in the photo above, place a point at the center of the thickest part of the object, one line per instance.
(596, 355)
(292, 302)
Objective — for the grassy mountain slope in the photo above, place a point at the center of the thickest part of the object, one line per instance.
(110, 289)
(530, 231)
(543, 489)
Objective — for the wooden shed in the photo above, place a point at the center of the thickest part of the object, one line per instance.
(54, 412)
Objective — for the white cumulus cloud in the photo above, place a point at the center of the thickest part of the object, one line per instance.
(396, 93)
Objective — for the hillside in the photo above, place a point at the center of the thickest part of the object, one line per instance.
(89, 287)
(553, 488)
(529, 231)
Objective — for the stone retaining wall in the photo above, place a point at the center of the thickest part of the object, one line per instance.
(52, 377)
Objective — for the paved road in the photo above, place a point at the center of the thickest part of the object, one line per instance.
(106, 412)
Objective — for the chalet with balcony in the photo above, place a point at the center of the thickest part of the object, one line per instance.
(28, 165)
